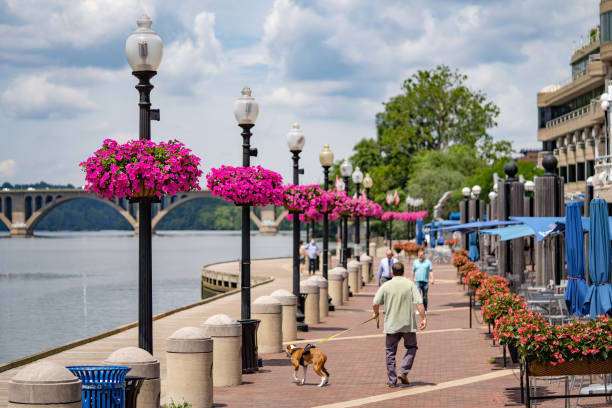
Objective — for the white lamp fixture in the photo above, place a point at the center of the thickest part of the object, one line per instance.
(357, 176)
(326, 156)
(340, 185)
(604, 100)
(144, 48)
(367, 181)
(246, 108)
(589, 181)
(346, 168)
(295, 138)
(476, 190)
(466, 192)
(492, 195)
(529, 185)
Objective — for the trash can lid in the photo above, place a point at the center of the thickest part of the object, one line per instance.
(141, 361)
(285, 297)
(221, 325)
(58, 385)
(189, 340)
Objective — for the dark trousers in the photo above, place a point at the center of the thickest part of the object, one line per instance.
(312, 265)
(423, 288)
(391, 342)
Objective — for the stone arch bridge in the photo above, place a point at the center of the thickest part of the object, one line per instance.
(22, 210)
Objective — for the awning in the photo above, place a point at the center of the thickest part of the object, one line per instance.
(543, 226)
(475, 226)
(511, 232)
(443, 223)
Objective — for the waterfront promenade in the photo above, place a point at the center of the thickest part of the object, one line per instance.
(452, 367)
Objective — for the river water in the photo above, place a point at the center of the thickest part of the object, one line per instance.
(62, 286)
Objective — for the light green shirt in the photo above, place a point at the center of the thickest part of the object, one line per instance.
(399, 295)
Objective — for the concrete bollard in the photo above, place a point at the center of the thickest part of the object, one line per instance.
(365, 261)
(270, 332)
(227, 349)
(44, 385)
(345, 284)
(335, 281)
(189, 362)
(144, 365)
(354, 272)
(288, 302)
(311, 304)
(322, 283)
(372, 249)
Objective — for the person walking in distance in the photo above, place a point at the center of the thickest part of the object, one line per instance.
(313, 250)
(384, 270)
(422, 274)
(399, 296)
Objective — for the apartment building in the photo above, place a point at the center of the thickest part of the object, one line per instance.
(571, 122)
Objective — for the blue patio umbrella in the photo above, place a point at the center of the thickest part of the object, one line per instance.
(574, 258)
(598, 300)
(432, 235)
(440, 240)
(420, 237)
(473, 253)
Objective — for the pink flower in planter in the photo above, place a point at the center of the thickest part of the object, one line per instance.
(246, 185)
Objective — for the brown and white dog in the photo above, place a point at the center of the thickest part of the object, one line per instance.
(308, 355)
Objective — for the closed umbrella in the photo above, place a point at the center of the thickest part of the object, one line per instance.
(420, 237)
(598, 300)
(574, 258)
(432, 234)
(473, 253)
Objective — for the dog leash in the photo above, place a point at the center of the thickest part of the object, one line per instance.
(354, 327)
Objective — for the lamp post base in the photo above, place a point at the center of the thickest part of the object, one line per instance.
(301, 326)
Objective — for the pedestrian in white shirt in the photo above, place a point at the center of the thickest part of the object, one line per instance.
(384, 270)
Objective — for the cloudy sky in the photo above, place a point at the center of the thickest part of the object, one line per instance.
(328, 64)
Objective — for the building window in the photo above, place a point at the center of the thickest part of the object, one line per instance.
(563, 173)
(606, 26)
(590, 168)
(571, 173)
(580, 172)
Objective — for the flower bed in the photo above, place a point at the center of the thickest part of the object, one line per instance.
(141, 168)
(497, 306)
(246, 185)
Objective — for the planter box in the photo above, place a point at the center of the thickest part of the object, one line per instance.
(577, 367)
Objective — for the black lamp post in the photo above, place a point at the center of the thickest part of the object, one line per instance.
(465, 214)
(345, 171)
(367, 184)
(326, 158)
(357, 179)
(295, 141)
(143, 50)
(390, 204)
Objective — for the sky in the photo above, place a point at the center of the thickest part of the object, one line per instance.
(65, 84)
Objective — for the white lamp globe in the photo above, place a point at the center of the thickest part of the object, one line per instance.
(466, 192)
(357, 176)
(367, 181)
(346, 168)
(476, 190)
(144, 48)
(295, 138)
(492, 195)
(529, 185)
(246, 108)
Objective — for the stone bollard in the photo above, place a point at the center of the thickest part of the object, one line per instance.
(189, 362)
(354, 272)
(144, 365)
(365, 261)
(372, 249)
(311, 304)
(335, 281)
(322, 283)
(227, 349)
(345, 284)
(270, 332)
(288, 302)
(44, 385)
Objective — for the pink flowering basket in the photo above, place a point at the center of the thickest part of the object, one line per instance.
(254, 185)
(141, 169)
(301, 198)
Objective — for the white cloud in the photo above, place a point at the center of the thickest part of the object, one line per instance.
(36, 97)
(8, 169)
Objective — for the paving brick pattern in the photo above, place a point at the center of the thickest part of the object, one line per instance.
(448, 350)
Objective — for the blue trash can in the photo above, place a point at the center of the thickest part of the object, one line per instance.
(103, 386)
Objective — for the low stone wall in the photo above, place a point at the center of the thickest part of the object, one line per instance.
(218, 281)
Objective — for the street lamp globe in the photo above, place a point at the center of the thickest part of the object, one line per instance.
(326, 156)
(246, 108)
(466, 192)
(357, 176)
(144, 48)
(529, 185)
(604, 100)
(589, 181)
(492, 195)
(340, 185)
(476, 190)
(346, 168)
(367, 181)
(295, 138)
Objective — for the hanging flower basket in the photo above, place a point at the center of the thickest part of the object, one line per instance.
(141, 169)
(300, 198)
(254, 186)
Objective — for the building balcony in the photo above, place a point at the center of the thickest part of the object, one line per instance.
(587, 116)
(578, 84)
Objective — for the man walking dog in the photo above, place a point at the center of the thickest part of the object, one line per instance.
(399, 295)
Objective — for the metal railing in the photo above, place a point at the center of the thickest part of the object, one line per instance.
(576, 113)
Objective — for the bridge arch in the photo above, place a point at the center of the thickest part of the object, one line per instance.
(172, 203)
(38, 215)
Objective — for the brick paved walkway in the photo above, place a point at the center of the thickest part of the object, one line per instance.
(451, 369)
